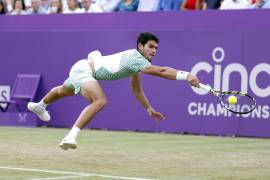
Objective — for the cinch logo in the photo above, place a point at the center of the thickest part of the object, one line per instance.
(4, 94)
(222, 75)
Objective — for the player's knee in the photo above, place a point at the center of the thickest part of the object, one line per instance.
(101, 102)
(64, 91)
(55, 90)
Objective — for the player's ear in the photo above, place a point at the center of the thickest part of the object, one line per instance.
(140, 46)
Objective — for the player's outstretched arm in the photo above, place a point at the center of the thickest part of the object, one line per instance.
(171, 73)
(138, 92)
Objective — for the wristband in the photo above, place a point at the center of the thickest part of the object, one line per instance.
(182, 75)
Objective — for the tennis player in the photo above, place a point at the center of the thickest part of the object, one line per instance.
(84, 75)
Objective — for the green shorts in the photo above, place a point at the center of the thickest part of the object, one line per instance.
(79, 72)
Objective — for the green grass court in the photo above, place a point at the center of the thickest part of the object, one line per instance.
(33, 153)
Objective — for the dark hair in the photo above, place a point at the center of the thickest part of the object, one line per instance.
(144, 37)
(23, 4)
(3, 11)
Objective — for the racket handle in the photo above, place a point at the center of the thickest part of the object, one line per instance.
(205, 87)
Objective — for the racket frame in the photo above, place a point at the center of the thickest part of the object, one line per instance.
(221, 94)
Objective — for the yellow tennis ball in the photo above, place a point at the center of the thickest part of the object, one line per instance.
(232, 99)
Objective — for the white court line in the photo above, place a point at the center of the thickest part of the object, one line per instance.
(60, 177)
(72, 173)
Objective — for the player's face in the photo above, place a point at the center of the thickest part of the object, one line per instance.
(149, 50)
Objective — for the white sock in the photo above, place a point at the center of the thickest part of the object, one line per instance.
(42, 104)
(73, 133)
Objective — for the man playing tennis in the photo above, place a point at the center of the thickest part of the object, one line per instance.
(84, 75)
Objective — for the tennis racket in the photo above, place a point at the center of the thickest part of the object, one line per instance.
(245, 103)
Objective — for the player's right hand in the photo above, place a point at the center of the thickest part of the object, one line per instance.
(193, 80)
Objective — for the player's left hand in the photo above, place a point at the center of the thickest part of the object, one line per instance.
(193, 80)
(154, 114)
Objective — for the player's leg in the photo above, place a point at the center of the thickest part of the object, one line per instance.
(94, 93)
(57, 93)
(53, 95)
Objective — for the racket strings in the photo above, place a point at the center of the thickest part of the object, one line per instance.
(244, 103)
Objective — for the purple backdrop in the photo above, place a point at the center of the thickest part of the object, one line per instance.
(218, 46)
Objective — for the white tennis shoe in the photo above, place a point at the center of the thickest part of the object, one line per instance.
(39, 111)
(68, 143)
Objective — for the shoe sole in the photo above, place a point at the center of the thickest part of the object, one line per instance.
(67, 146)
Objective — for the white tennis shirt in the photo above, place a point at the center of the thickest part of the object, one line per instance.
(119, 65)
